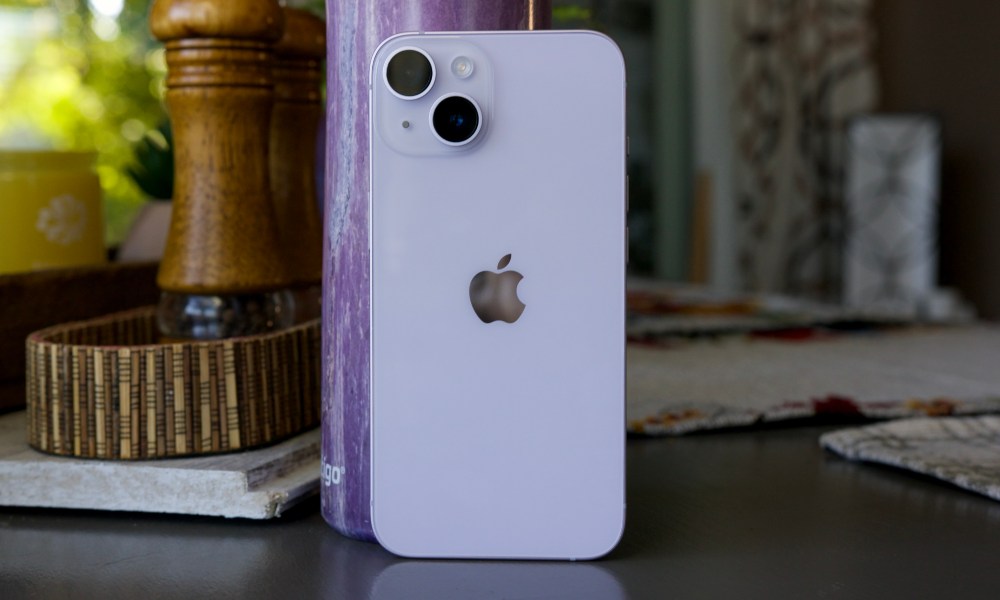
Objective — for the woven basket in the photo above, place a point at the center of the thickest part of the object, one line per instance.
(105, 389)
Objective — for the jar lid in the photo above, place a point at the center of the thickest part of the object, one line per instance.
(45, 160)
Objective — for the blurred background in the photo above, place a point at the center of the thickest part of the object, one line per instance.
(738, 113)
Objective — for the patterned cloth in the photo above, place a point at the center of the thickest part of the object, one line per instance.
(963, 451)
(683, 385)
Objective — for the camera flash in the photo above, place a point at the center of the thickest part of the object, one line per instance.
(462, 67)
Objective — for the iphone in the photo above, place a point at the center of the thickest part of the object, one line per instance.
(497, 272)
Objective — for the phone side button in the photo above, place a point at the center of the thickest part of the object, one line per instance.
(628, 186)
(626, 244)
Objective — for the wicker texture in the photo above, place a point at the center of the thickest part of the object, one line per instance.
(105, 389)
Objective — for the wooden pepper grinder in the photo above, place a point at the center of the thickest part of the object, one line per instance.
(298, 111)
(223, 271)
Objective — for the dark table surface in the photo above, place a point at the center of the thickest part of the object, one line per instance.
(741, 514)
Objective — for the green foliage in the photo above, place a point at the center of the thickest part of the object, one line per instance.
(573, 15)
(317, 7)
(153, 170)
(83, 81)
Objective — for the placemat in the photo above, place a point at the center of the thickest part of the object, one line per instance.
(679, 385)
(964, 451)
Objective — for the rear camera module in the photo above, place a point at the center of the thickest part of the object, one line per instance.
(409, 73)
(456, 119)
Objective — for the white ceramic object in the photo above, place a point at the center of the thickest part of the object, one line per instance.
(892, 189)
(147, 237)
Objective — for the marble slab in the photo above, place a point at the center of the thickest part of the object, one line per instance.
(256, 484)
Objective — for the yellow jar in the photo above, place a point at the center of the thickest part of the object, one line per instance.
(50, 211)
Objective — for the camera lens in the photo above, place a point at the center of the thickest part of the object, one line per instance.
(409, 73)
(455, 119)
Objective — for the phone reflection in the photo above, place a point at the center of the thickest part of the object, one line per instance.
(353, 569)
(427, 580)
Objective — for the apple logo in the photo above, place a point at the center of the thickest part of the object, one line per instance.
(494, 295)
